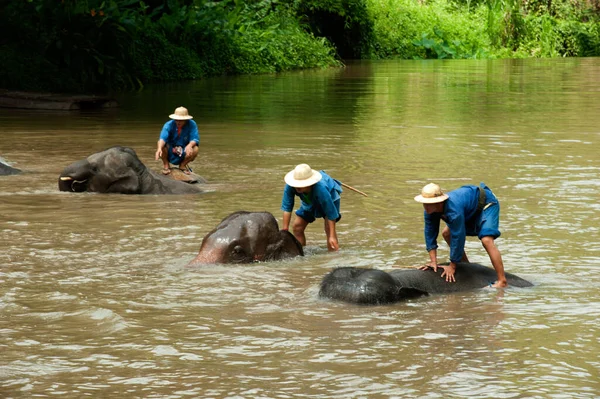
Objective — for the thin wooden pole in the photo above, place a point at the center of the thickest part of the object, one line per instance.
(353, 189)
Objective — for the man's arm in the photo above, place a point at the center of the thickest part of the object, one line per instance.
(458, 236)
(194, 136)
(332, 240)
(287, 216)
(160, 146)
(162, 140)
(287, 205)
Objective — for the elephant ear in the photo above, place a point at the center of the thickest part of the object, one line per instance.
(284, 245)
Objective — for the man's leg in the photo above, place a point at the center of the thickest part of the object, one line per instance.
(489, 232)
(189, 158)
(489, 244)
(448, 237)
(298, 227)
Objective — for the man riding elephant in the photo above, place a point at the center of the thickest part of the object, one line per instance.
(119, 170)
(178, 142)
(467, 211)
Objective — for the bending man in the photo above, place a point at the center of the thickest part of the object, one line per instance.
(320, 198)
(467, 211)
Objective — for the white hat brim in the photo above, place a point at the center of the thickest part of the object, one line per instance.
(433, 200)
(314, 178)
(176, 117)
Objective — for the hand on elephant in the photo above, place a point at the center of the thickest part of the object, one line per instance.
(430, 265)
(449, 272)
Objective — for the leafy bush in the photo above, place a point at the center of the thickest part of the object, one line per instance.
(279, 44)
(399, 24)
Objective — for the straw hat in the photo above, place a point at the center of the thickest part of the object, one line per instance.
(302, 176)
(431, 194)
(180, 114)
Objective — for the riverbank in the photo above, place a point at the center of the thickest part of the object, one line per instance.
(54, 101)
(99, 48)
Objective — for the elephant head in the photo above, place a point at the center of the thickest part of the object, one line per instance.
(244, 237)
(374, 287)
(6, 169)
(364, 287)
(118, 170)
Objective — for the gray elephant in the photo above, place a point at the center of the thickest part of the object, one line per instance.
(374, 287)
(244, 237)
(119, 170)
(6, 169)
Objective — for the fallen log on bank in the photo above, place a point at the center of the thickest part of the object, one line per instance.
(51, 101)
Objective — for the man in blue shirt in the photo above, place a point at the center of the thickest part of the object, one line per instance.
(467, 211)
(178, 142)
(320, 198)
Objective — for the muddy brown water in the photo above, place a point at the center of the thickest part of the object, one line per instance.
(96, 301)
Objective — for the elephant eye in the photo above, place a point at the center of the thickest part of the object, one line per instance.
(238, 249)
(238, 255)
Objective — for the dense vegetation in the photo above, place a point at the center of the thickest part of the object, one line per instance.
(98, 45)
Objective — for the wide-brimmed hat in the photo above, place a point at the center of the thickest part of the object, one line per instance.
(180, 114)
(431, 194)
(302, 176)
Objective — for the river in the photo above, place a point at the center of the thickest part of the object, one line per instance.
(96, 299)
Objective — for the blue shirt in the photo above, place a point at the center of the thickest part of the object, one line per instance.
(189, 132)
(321, 199)
(460, 211)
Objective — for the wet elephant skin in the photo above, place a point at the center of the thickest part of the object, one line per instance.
(244, 237)
(364, 287)
(373, 287)
(119, 170)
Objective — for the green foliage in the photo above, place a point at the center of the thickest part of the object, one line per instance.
(402, 25)
(442, 47)
(279, 44)
(99, 45)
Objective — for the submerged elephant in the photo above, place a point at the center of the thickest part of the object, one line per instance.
(6, 169)
(374, 287)
(119, 170)
(244, 237)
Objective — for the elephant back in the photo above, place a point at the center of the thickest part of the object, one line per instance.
(469, 276)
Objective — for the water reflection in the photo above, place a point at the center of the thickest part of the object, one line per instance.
(97, 301)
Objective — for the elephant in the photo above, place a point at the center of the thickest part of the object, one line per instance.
(374, 287)
(6, 169)
(364, 286)
(119, 170)
(244, 237)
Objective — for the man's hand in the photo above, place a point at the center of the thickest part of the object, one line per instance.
(430, 265)
(333, 243)
(158, 154)
(449, 272)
